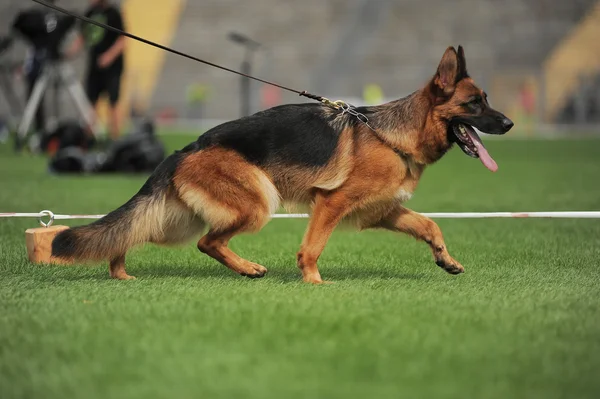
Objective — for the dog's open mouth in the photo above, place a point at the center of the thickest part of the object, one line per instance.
(468, 140)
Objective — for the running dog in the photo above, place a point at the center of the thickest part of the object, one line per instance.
(237, 174)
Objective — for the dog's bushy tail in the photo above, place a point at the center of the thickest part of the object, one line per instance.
(151, 215)
(110, 236)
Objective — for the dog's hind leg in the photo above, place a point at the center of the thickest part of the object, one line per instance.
(248, 218)
(117, 269)
(232, 196)
(214, 244)
(422, 228)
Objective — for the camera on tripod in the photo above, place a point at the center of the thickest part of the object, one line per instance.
(44, 30)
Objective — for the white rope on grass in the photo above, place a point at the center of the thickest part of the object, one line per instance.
(516, 215)
(482, 215)
(434, 215)
(40, 214)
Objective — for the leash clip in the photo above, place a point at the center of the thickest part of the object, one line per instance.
(332, 104)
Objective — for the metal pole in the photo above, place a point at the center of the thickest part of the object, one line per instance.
(246, 68)
(245, 84)
(580, 101)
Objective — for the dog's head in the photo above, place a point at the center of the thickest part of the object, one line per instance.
(460, 106)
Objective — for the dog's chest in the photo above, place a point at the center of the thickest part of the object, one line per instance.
(408, 184)
(403, 194)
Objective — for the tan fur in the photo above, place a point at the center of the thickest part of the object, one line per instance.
(163, 221)
(179, 223)
(225, 190)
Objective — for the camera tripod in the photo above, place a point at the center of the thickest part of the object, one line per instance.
(61, 75)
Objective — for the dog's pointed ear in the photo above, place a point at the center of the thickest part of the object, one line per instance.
(447, 72)
(462, 64)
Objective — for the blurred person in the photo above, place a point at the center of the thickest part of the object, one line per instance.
(527, 102)
(105, 62)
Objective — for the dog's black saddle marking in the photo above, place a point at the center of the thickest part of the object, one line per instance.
(293, 134)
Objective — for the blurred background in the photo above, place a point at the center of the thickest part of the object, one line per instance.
(539, 60)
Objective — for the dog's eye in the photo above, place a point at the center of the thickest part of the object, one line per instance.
(473, 105)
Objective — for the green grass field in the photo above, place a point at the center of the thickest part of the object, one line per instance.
(522, 322)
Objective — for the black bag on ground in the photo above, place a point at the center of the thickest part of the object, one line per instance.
(76, 160)
(139, 152)
(66, 134)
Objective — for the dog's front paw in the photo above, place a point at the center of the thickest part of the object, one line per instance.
(253, 270)
(449, 264)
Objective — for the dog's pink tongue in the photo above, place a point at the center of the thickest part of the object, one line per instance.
(485, 158)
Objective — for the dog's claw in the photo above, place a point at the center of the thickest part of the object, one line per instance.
(253, 276)
(451, 267)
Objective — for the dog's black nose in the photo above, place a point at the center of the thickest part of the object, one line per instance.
(507, 124)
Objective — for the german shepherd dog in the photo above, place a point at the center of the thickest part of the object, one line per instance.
(236, 175)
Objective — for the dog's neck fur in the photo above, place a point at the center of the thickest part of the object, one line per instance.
(399, 124)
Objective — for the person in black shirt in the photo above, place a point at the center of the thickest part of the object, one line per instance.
(105, 57)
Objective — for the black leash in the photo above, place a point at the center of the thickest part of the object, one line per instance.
(100, 24)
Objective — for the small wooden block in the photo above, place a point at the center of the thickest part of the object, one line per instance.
(39, 244)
